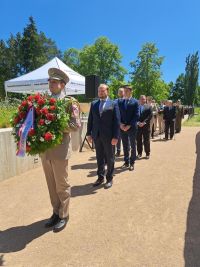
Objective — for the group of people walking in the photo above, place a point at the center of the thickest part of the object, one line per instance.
(130, 121)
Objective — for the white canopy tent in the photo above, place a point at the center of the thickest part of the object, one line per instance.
(37, 80)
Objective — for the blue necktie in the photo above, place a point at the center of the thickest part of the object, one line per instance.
(126, 103)
(101, 107)
(141, 109)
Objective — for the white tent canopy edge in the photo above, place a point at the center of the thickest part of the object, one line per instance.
(37, 80)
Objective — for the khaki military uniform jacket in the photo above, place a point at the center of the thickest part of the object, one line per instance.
(62, 151)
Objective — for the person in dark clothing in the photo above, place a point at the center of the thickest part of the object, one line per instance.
(120, 97)
(103, 128)
(129, 112)
(169, 116)
(143, 132)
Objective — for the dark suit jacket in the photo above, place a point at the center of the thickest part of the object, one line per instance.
(108, 124)
(130, 113)
(169, 114)
(146, 115)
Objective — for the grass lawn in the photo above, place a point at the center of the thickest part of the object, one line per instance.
(6, 112)
(195, 120)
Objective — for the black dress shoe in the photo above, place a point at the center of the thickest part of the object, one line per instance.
(108, 184)
(98, 182)
(131, 168)
(139, 156)
(52, 221)
(147, 156)
(125, 165)
(60, 224)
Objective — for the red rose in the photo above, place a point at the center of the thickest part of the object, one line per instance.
(48, 136)
(37, 97)
(22, 115)
(31, 132)
(37, 111)
(41, 101)
(50, 117)
(52, 108)
(41, 122)
(28, 148)
(44, 111)
(16, 120)
(52, 101)
(24, 103)
(30, 98)
(20, 108)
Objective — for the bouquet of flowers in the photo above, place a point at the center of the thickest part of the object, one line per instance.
(39, 123)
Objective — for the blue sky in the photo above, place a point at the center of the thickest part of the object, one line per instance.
(174, 25)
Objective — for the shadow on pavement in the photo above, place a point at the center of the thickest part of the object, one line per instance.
(83, 190)
(16, 238)
(84, 166)
(1, 260)
(192, 235)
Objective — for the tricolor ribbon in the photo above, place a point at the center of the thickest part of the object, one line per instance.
(23, 132)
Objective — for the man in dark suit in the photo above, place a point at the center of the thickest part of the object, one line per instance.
(143, 132)
(129, 112)
(120, 96)
(169, 116)
(103, 128)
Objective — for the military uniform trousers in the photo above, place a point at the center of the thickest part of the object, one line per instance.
(56, 173)
(161, 124)
(55, 165)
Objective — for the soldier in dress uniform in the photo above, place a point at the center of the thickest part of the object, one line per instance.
(55, 162)
(179, 116)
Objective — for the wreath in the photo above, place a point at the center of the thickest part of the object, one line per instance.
(39, 123)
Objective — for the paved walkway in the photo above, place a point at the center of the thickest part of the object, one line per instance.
(140, 222)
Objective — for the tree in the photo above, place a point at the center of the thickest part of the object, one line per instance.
(49, 47)
(31, 48)
(4, 70)
(102, 58)
(191, 78)
(177, 89)
(72, 58)
(146, 70)
(36, 48)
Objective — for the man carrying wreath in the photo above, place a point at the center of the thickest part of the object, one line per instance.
(55, 161)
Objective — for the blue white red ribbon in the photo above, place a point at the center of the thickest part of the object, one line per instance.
(23, 132)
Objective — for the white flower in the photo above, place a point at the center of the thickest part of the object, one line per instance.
(53, 137)
(58, 116)
(33, 138)
(41, 139)
(29, 143)
(47, 122)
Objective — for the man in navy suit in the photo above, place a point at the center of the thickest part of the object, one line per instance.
(143, 133)
(169, 116)
(120, 97)
(129, 111)
(103, 128)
